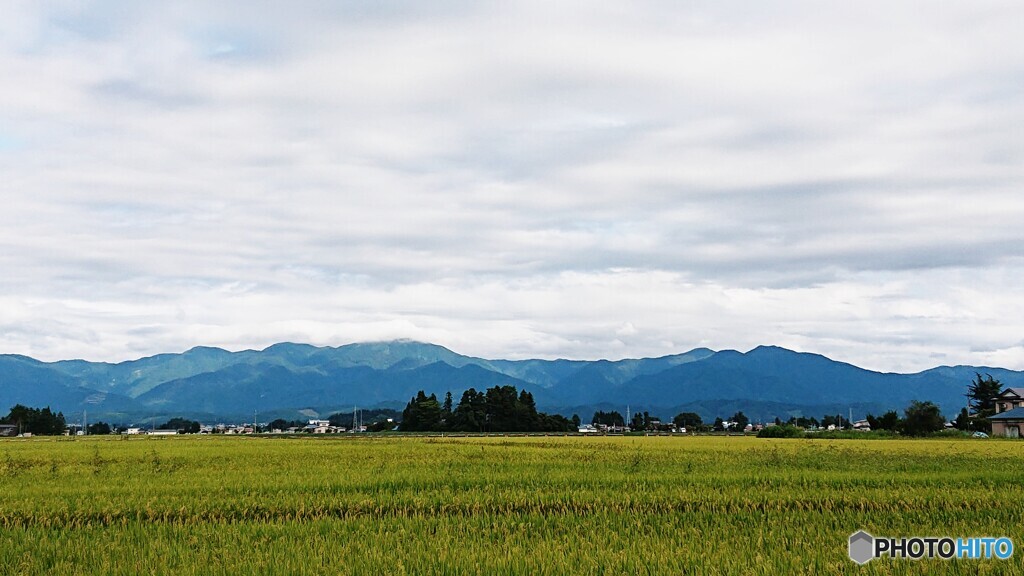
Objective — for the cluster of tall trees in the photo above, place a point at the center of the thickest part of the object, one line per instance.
(99, 428)
(737, 422)
(36, 421)
(182, 425)
(608, 418)
(919, 419)
(888, 421)
(499, 409)
(688, 420)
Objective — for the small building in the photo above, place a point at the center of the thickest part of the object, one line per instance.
(162, 432)
(320, 427)
(1008, 424)
(8, 430)
(1009, 399)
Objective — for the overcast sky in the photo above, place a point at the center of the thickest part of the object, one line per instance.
(515, 179)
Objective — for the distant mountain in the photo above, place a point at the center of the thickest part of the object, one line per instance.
(138, 376)
(33, 383)
(302, 380)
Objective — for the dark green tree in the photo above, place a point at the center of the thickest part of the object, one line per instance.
(422, 414)
(637, 423)
(182, 425)
(41, 422)
(555, 423)
(446, 408)
(499, 409)
(888, 421)
(471, 413)
(922, 418)
(608, 419)
(379, 426)
(282, 424)
(963, 420)
(502, 409)
(741, 420)
(719, 424)
(576, 420)
(99, 428)
(526, 413)
(689, 420)
(981, 396)
(430, 413)
(982, 392)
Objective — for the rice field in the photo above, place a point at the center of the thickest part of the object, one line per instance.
(538, 505)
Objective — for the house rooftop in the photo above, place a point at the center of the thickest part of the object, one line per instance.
(1015, 414)
(1016, 391)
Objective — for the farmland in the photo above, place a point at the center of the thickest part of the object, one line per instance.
(539, 505)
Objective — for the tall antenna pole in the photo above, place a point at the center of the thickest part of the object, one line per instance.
(85, 422)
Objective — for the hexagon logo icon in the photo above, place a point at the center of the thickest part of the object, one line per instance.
(861, 547)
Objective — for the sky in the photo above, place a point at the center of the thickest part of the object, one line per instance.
(515, 179)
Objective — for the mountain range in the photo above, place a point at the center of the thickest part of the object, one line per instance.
(299, 380)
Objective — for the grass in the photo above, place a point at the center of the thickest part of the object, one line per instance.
(535, 505)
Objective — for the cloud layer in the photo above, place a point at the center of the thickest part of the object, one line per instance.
(514, 179)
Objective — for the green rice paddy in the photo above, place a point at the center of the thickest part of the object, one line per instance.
(524, 505)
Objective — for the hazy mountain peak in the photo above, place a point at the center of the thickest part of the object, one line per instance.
(206, 350)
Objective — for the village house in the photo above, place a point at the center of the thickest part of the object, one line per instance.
(1008, 423)
(322, 427)
(1009, 399)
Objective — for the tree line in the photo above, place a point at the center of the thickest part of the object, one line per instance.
(688, 420)
(498, 409)
(40, 422)
(506, 409)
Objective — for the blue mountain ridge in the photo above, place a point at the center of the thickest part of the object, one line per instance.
(301, 379)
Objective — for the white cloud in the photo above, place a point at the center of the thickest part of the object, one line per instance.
(513, 179)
